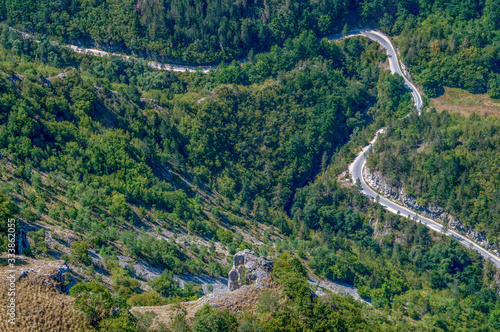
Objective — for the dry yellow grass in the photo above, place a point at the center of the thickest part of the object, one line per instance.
(41, 307)
(461, 101)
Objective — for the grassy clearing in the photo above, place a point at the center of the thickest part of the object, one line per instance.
(461, 101)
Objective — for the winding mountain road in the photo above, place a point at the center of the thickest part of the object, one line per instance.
(383, 40)
(96, 52)
(356, 168)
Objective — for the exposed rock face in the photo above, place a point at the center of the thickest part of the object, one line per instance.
(208, 284)
(141, 269)
(247, 269)
(22, 241)
(319, 286)
(51, 273)
(249, 277)
(397, 194)
(48, 272)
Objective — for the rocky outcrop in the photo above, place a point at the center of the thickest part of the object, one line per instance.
(248, 269)
(141, 269)
(55, 273)
(397, 194)
(321, 286)
(248, 278)
(208, 283)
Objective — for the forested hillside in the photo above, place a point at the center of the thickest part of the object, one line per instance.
(103, 158)
(254, 132)
(197, 31)
(84, 154)
(110, 156)
(449, 43)
(211, 31)
(418, 277)
(448, 160)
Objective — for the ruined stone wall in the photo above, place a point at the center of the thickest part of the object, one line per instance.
(248, 269)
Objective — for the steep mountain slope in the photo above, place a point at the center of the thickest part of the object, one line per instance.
(211, 31)
(199, 31)
(452, 163)
(96, 169)
(110, 159)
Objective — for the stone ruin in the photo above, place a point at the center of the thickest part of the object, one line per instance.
(248, 269)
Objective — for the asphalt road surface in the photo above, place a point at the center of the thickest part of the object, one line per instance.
(356, 168)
